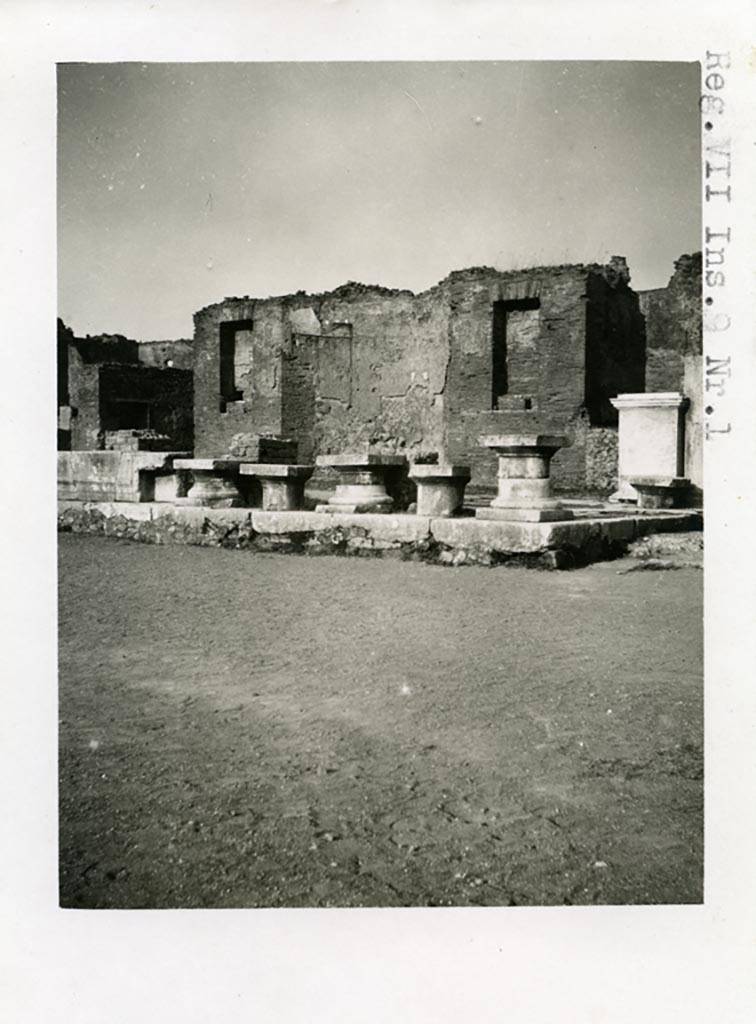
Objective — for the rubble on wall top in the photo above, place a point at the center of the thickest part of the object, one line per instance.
(687, 265)
(355, 288)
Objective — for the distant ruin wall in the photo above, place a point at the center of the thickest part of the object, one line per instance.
(118, 396)
(142, 397)
(84, 399)
(673, 325)
(177, 355)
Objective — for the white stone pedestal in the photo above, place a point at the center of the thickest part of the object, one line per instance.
(362, 485)
(282, 486)
(524, 484)
(440, 488)
(215, 483)
(651, 438)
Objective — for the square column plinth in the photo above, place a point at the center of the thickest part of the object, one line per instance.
(440, 488)
(659, 491)
(651, 438)
(282, 486)
(215, 483)
(362, 481)
(524, 485)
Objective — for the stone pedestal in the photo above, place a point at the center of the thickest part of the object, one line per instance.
(651, 439)
(362, 484)
(115, 476)
(524, 486)
(440, 488)
(659, 491)
(282, 486)
(215, 483)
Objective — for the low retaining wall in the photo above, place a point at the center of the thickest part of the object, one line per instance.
(588, 538)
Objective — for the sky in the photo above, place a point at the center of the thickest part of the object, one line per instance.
(180, 184)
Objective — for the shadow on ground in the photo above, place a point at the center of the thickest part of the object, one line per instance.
(254, 730)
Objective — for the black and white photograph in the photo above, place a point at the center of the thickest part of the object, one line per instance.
(378, 605)
(380, 424)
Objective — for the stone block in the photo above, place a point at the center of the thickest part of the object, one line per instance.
(282, 485)
(660, 492)
(501, 537)
(111, 476)
(262, 449)
(215, 483)
(651, 438)
(440, 488)
(525, 515)
(364, 459)
(516, 442)
(361, 483)
(167, 487)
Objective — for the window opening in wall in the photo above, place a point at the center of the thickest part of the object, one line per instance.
(128, 415)
(500, 344)
(229, 392)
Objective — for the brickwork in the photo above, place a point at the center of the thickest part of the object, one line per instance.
(673, 325)
(147, 397)
(178, 355)
(84, 398)
(481, 352)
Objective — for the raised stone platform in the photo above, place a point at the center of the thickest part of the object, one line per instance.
(591, 536)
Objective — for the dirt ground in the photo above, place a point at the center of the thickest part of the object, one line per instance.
(261, 730)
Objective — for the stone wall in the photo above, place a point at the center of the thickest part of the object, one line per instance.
(577, 339)
(674, 333)
(117, 396)
(144, 397)
(84, 401)
(673, 325)
(178, 355)
(359, 365)
(103, 387)
(481, 352)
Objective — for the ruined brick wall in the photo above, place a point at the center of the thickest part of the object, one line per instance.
(256, 330)
(79, 361)
(545, 358)
(84, 400)
(177, 354)
(380, 370)
(64, 339)
(358, 365)
(673, 325)
(143, 397)
(615, 359)
(481, 352)
(107, 348)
